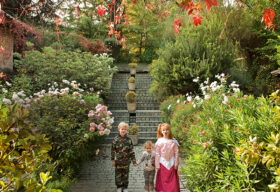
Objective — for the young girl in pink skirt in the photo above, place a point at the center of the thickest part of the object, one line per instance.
(166, 160)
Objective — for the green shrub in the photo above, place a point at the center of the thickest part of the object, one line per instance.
(43, 68)
(168, 106)
(133, 129)
(131, 97)
(195, 52)
(64, 120)
(23, 152)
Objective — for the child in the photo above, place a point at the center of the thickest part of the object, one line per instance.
(121, 155)
(149, 169)
(166, 160)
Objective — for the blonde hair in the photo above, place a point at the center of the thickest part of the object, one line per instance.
(123, 124)
(148, 144)
(159, 131)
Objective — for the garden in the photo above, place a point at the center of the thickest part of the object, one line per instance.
(214, 68)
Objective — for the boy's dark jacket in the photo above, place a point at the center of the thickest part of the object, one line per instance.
(122, 150)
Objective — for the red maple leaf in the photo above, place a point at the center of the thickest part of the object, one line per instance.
(101, 11)
(197, 20)
(134, 1)
(177, 24)
(210, 3)
(268, 18)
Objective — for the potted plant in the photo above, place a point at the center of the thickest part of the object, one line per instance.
(133, 133)
(131, 83)
(132, 67)
(131, 97)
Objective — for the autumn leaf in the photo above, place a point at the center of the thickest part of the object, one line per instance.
(210, 3)
(268, 18)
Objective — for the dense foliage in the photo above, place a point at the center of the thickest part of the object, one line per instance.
(39, 69)
(23, 152)
(218, 132)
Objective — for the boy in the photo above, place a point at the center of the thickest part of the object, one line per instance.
(121, 155)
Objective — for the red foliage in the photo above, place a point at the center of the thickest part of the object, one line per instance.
(97, 47)
(101, 11)
(197, 20)
(177, 24)
(268, 18)
(210, 3)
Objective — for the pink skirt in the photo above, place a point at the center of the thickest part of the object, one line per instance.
(167, 180)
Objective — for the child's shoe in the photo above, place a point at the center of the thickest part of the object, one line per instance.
(119, 189)
(125, 190)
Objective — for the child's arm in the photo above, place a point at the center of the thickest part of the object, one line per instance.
(157, 156)
(142, 159)
(113, 151)
(176, 156)
(132, 154)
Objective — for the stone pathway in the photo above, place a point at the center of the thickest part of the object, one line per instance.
(98, 175)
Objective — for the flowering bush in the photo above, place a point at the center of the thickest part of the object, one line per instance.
(72, 118)
(224, 118)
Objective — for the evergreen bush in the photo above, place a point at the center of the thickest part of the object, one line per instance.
(131, 80)
(133, 129)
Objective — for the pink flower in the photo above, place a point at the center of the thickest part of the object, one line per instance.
(100, 127)
(92, 125)
(245, 96)
(206, 144)
(101, 132)
(91, 129)
(90, 115)
(203, 132)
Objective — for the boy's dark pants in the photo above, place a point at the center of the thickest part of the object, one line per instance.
(121, 176)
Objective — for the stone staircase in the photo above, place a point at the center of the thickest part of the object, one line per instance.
(147, 115)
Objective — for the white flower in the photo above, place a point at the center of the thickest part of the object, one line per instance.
(21, 93)
(86, 135)
(178, 100)
(169, 106)
(225, 100)
(7, 101)
(65, 81)
(189, 98)
(4, 90)
(206, 97)
(55, 84)
(197, 98)
(236, 90)
(196, 79)
(9, 84)
(194, 105)
(15, 96)
(207, 81)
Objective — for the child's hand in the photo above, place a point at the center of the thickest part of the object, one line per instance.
(158, 169)
(176, 167)
(135, 164)
(113, 163)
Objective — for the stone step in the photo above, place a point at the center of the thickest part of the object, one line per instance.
(140, 119)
